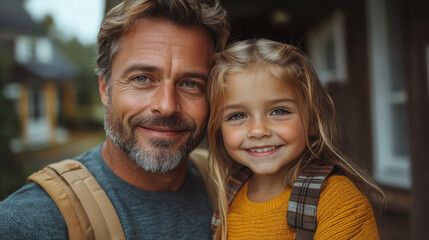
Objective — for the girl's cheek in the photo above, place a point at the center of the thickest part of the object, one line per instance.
(232, 136)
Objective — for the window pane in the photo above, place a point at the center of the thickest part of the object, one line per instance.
(399, 129)
(330, 54)
(396, 44)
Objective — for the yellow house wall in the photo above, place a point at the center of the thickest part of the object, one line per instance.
(24, 113)
(69, 102)
(51, 113)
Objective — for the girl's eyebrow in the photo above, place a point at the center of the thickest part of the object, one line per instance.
(273, 101)
(231, 106)
(288, 100)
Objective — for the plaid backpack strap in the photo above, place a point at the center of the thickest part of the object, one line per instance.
(233, 186)
(302, 209)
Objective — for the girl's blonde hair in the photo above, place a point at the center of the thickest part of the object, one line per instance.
(315, 106)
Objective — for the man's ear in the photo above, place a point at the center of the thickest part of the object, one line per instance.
(102, 88)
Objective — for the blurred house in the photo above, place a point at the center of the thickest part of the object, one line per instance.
(40, 78)
(373, 58)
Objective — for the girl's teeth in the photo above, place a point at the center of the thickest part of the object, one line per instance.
(265, 149)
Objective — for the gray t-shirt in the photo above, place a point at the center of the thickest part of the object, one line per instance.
(30, 213)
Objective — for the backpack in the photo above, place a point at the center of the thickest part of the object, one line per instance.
(84, 205)
(303, 201)
(304, 198)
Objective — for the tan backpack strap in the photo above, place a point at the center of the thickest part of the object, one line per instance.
(77, 221)
(200, 159)
(91, 202)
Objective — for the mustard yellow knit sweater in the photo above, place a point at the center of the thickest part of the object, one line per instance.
(343, 213)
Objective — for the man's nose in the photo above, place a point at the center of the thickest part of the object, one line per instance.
(258, 128)
(164, 102)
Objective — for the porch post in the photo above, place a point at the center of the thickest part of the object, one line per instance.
(418, 104)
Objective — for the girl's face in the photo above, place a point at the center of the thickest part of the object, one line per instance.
(261, 125)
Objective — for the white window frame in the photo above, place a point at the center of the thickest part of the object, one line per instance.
(389, 168)
(318, 38)
(44, 51)
(37, 128)
(24, 48)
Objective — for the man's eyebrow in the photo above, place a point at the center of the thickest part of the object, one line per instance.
(154, 69)
(140, 67)
(200, 75)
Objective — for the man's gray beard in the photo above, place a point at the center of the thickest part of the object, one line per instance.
(163, 158)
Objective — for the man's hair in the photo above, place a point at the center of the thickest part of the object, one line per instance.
(206, 13)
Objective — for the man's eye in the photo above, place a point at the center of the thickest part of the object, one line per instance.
(236, 116)
(280, 111)
(142, 79)
(190, 85)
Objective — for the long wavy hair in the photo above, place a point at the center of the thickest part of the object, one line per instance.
(316, 109)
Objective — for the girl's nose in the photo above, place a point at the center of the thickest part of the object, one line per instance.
(258, 129)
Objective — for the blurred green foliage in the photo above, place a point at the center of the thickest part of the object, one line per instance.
(14, 168)
(86, 80)
(83, 56)
(11, 172)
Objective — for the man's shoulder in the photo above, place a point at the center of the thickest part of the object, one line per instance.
(31, 213)
(87, 157)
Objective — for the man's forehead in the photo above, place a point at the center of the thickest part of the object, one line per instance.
(158, 30)
(161, 44)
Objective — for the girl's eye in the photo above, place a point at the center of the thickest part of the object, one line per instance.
(236, 116)
(280, 111)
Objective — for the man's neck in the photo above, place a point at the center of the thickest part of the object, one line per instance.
(130, 172)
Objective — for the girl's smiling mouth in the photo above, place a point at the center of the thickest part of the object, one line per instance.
(263, 151)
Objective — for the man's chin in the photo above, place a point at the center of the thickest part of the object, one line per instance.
(156, 160)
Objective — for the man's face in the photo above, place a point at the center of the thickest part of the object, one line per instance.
(156, 107)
